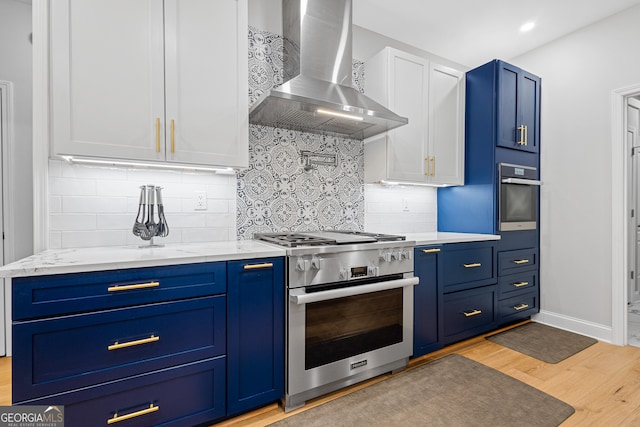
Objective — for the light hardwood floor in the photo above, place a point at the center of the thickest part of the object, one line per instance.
(602, 382)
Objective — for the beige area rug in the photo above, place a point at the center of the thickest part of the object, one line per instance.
(452, 391)
(543, 342)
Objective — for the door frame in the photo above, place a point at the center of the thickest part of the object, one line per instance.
(620, 209)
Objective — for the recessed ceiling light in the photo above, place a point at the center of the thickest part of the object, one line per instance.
(527, 27)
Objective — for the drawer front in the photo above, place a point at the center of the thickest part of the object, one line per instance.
(518, 307)
(510, 262)
(522, 282)
(39, 296)
(469, 310)
(183, 396)
(55, 355)
(468, 265)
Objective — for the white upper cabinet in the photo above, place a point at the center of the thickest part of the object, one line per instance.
(430, 148)
(150, 80)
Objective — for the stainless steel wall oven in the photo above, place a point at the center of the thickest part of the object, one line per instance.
(518, 197)
(349, 314)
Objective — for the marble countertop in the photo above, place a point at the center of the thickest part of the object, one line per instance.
(442, 237)
(76, 260)
(61, 261)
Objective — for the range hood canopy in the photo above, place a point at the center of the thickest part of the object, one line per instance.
(317, 96)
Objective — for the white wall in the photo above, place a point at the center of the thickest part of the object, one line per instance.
(97, 206)
(15, 66)
(579, 72)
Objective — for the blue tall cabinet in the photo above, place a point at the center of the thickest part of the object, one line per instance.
(502, 126)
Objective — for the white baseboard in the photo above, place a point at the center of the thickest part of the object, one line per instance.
(579, 326)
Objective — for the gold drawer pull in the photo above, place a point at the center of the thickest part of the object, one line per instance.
(116, 345)
(520, 261)
(520, 284)
(256, 266)
(521, 307)
(117, 418)
(118, 288)
(471, 313)
(475, 264)
(431, 251)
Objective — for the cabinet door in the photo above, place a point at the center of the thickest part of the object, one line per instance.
(107, 71)
(408, 97)
(206, 82)
(255, 333)
(446, 125)
(518, 108)
(425, 302)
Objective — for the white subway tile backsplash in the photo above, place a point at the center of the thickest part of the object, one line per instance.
(384, 209)
(97, 206)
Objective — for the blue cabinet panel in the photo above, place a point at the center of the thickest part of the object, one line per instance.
(63, 353)
(186, 395)
(468, 313)
(255, 333)
(524, 281)
(518, 307)
(40, 296)
(511, 262)
(426, 299)
(465, 263)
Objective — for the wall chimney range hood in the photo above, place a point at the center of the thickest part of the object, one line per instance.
(317, 95)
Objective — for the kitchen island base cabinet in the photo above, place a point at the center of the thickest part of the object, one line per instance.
(255, 334)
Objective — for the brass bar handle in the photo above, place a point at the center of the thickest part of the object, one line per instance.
(521, 307)
(117, 418)
(522, 130)
(173, 136)
(433, 166)
(520, 261)
(471, 313)
(526, 135)
(520, 284)
(431, 251)
(427, 173)
(117, 345)
(157, 135)
(258, 266)
(118, 288)
(474, 265)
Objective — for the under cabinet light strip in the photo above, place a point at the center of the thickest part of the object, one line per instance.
(81, 160)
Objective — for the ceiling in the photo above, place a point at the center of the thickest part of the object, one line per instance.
(472, 32)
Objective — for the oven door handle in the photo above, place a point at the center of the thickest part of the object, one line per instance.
(349, 291)
(521, 181)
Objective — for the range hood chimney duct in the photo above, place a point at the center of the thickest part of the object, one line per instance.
(317, 95)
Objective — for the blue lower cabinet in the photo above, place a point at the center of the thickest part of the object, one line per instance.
(425, 301)
(518, 307)
(255, 333)
(468, 313)
(186, 395)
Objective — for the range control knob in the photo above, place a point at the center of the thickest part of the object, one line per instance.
(316, 262)
(405, 254)
(302, 264)
(343, 274)
(395, 256)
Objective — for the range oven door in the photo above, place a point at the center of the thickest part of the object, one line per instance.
(519, 191)
(335, 337)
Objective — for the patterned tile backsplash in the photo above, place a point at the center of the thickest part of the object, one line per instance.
(96, 206)
(276, 193)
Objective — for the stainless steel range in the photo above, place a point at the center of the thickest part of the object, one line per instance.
(350, 309)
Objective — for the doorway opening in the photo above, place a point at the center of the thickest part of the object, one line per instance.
(632, 142)
(5, 134)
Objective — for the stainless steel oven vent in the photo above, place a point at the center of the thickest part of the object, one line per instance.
(317, 96)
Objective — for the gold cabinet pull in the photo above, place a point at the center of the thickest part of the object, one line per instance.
(471, 313)
(157, 135)
(475, 264)
(521, 307)
(523, 130)
(173, 136)
(520, 261)
(526, 135)
(117, 418)
(431, 251)
(520, 284)
(116, 345)
(426, 160)
(257, 266)
(118, 288)
(433, 166)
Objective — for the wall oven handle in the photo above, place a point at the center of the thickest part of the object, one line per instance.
(521, 181)
(350, 291)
